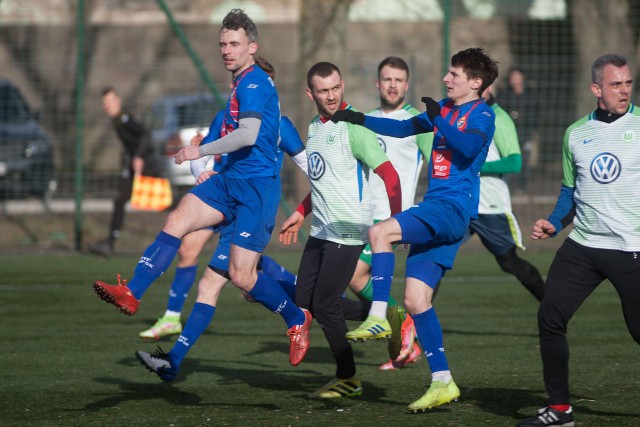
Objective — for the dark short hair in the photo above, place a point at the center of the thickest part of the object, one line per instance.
(598, 65)
(236, 19)
(321, 69)
(476, 63)
(394, 62)
(266, 66)
(108, 89)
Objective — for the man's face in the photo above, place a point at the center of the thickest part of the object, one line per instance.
(111, 104)
(327, 93)
(236, 50)
(614, 93)
(460, 88)
(392, 84)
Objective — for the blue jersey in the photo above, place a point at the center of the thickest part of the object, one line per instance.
(454, 170)
(254, 96)
(462, 136)
(290, 141)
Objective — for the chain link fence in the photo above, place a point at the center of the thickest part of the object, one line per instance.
(134, 47)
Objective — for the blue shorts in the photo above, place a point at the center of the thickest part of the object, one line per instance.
(427, 271)
(220, 258)
(498, 232)
(248, 205)
(443, 220)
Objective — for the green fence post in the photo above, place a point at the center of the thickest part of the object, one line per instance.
(204, 75)
(79, 184)
(446, 41)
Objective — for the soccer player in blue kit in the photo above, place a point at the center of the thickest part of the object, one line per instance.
(245, 195)
(215, 277)
(463, 126)
(193, 243)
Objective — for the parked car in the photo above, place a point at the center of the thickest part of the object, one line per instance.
(173, 120)
(26, 151)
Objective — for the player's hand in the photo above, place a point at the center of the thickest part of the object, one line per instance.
(197, 139)
(433, 108)
(290, 228)
(191, 152)
(205, 175)
(542, 229)
(348, 116)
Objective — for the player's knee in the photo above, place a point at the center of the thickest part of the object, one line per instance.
(508, 261)
(244, 280)
(551, 321)
(377, 234)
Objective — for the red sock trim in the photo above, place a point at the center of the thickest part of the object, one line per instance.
(563, 408)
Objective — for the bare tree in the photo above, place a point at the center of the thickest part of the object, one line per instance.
(600, 27)
(323, 28)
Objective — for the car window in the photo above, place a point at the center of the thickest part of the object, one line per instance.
(13, 109)
(195, 113)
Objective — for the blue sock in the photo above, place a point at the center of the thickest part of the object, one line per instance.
(197, 323)
(429, 334)
(268, 293)
(155, 260)
(271, 268)
(382, 265)
(289, 288)
(184, 278)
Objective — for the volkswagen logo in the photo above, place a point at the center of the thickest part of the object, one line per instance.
(316, 166)
(605, 168)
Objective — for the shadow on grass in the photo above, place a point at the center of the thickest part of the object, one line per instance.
(487, 333)
(296, 381)
(510, 402)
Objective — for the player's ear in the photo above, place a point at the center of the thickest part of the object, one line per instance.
(596, 90)
(309, 94)
(253, 48)
(476, 83)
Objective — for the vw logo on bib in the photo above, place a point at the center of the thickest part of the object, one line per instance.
(316, 166)
(605, 168)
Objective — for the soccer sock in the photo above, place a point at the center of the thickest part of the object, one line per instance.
(155, 260)
(268, 293)
(429, 334)
(184, 278)
(197, 323)
(289, 288)
(382, 265)
(562, 408)
(367, 293)
(271, 268)
(442, 376)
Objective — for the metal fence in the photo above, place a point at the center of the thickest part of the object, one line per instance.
(59, 151)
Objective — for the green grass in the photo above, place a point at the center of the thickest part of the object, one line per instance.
(68, 358)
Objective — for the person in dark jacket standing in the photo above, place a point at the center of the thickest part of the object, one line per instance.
(137, 158)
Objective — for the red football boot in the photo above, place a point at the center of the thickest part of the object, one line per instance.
(119, 295)
(299, 339)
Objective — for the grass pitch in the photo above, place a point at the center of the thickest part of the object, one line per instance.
(68, 358)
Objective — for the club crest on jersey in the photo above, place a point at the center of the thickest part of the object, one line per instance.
(605, 168)
(315, 166)
(461, 123)
(628, 136)
(331, 139)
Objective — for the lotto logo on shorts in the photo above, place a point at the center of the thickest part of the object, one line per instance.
(245, 234)
(441, 163)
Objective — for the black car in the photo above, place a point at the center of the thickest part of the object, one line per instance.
(26, 152)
